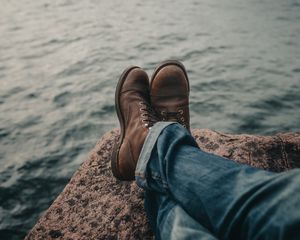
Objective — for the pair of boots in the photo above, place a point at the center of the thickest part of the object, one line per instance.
(140, 104)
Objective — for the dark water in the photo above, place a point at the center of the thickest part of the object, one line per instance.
(60, 61)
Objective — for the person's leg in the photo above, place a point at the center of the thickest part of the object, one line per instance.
(170, 221)
(232, 200)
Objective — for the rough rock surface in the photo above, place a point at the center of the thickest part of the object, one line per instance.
(94, 205)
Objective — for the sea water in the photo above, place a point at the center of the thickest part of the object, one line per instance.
(60, 61)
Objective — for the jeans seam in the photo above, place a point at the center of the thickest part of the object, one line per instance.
(150, 141)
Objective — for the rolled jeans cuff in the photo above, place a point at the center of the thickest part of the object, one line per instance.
(150, 141)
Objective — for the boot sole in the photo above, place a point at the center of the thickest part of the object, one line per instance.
(116, 149)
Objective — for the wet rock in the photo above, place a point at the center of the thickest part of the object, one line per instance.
(94, 205)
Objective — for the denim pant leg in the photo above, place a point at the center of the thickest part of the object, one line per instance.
(231, 200)
(170, 222)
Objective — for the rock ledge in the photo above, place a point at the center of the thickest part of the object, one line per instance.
(94, 205)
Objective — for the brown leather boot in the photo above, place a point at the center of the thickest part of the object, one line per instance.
(135, 116)
(169, 90)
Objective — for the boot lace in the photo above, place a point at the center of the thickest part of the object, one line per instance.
(149, 117)
(174, 116)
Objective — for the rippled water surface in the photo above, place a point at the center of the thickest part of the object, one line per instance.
(60, 61)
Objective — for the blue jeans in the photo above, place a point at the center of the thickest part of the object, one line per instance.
(191, 194)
